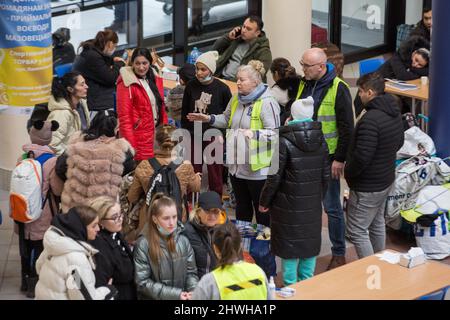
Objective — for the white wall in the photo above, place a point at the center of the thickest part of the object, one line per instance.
(13, 134)
(288, 26)
(413, 11)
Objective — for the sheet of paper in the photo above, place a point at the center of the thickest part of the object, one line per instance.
(390, 257)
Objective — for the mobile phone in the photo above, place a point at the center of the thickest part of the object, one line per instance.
(125, 55)
(238, 33)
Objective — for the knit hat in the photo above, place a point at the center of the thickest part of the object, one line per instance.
(41, 132)
(209, 59)
(303, 109)
(187, 72)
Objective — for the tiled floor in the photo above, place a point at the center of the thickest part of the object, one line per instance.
(9, 250)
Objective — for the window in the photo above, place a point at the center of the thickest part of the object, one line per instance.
(363, 24)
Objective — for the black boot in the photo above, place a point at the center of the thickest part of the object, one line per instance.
(31, 283)
(23, 284)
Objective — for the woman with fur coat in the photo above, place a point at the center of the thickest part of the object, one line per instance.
(95, 162)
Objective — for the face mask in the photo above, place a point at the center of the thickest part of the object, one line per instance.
(207, 79)
(164, 232)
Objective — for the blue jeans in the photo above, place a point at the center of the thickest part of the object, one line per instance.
(295, 270)
(336, 222)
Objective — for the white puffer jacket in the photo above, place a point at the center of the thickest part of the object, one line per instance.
(61, 255)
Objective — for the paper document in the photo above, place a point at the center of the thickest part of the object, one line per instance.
(390, 257)
(400, 85)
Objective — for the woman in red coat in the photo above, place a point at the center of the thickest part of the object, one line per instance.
(139, 103)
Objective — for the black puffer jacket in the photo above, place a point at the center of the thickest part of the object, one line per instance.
(378, 136)
(115, 261)
(101, 73)
(200, 238)
(399, 66)
(294, 195)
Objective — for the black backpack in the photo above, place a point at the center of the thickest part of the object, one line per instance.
(164, 180)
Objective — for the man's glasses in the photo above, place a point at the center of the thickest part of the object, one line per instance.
(306, 66)
(116, 218)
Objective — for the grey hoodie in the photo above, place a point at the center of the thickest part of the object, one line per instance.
(270, 116)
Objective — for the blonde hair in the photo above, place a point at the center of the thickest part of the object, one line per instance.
(102, 205)
(255, 69)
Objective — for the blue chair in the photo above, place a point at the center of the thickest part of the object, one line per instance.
(438, 295)
(368, 66)
(61, 70)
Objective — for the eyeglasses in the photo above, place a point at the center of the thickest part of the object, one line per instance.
(306, 66)
(116, 218)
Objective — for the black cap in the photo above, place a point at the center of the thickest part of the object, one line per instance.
(210, 200)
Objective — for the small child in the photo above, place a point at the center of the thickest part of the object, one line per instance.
(174, 99)
(31, 234)
(294, 195)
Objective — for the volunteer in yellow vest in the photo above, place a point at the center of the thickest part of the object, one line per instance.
(252, 114)
(333, 108)
(233, 279)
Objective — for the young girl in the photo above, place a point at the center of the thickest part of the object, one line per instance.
(224, 282)
(205, 95)
(164, 259)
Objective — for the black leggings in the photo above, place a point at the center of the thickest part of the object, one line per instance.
(30, 251)
(247, 194)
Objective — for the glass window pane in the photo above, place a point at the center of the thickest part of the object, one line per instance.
(218, 17)
(320, 31)
(157, 20)
(85, 24)
(363, 24)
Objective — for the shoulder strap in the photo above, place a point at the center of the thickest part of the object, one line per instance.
(44, 157)
(155, 164)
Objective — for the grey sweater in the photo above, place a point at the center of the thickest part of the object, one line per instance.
(238, 145)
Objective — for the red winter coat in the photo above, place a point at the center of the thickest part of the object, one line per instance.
(135, 113)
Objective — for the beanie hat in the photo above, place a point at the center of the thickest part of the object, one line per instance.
(187, 72)
(303, 109)
(41, 132)
(209, 59)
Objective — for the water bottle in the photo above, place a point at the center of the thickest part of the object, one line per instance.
(195, 53)
(272, 287)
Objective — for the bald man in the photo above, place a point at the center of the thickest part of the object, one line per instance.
(333, 108)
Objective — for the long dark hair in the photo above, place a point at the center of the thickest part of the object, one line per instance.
(103, 124)
(100, 40)
(144, 52)
(227, 239)
(60, 85)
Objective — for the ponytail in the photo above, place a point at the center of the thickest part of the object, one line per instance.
(227, 240)
(100, 40)
(60, 85)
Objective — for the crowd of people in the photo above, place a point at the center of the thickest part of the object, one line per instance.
(108, 122)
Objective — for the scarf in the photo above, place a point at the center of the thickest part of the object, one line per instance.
(254, 95)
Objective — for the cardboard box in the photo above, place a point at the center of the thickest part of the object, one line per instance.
(410, 262)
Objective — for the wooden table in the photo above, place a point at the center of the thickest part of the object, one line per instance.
(350, 282)
(421, 93)
(170, 84)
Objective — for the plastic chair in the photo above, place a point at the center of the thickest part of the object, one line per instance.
(63, 69)
(438, 295)
(368, 66)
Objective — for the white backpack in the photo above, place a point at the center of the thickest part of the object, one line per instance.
(26, 201)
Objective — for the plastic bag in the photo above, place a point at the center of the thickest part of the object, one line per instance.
(416, 142)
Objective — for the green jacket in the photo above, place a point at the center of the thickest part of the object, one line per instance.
(172, 275)
(259, 50)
